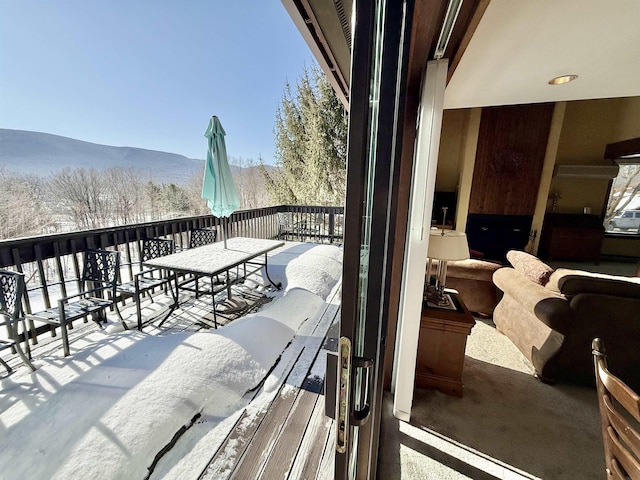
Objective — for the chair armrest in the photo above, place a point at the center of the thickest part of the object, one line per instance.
(574, 282)
(550, 307)
(147, 271)
(526, 292)
(156, 281)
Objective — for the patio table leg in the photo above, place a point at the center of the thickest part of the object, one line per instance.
(266, 272)
(213, 302)
(173, 307)
(63, 328)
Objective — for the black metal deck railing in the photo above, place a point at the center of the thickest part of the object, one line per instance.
(52, 263)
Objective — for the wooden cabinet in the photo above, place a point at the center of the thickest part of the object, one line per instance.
(576, 237)
(441, 346)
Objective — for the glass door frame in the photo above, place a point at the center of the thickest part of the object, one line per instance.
(376, 112)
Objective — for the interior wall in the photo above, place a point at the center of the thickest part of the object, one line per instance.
(509, 159)
(628, 124)
(547, 173)
(467, 165)
(589, 125)
(454, 126)
(458, 144)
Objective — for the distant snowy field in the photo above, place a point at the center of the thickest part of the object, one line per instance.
(106, 411)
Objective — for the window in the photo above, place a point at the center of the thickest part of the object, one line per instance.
(623, 207)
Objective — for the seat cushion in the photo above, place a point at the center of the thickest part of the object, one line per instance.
(73, 310)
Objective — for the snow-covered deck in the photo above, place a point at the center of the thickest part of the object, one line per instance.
(182, 401)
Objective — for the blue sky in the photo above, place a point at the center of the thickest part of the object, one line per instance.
(149, 73)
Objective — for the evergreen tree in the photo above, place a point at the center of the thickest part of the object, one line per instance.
(311, 144)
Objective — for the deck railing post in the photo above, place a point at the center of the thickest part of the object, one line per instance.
(332, 224)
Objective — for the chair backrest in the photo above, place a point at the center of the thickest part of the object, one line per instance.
(101, 267)
(12, 286)
(155, 247)
(284, 220)
(202, 236)
(619, 418)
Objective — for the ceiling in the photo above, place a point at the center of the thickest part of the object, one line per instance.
(502, 52)
(325, 25)
(519, 45)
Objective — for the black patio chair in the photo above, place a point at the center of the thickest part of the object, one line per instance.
(148, 279)
(286, 226)
(197, 238)
(301, 228)
(99, 282)
(12, 289)
(202, 236)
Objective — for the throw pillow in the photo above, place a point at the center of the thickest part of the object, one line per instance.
(531, 267)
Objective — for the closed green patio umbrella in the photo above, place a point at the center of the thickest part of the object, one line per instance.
(218, 188)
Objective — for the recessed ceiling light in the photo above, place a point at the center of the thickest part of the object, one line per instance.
(562, 79)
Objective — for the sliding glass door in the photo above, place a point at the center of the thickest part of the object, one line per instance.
(376, 108)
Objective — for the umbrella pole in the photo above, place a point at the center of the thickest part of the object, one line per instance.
(224, 231)
(224, 239)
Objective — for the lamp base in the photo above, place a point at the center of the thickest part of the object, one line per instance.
(435, 297)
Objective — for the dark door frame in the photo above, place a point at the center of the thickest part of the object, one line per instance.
(378, 85)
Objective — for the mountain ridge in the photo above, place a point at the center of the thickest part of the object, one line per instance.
(38, 153)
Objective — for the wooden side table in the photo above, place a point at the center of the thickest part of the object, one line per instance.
(441, 345)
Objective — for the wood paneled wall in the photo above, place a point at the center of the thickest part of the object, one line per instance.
(511, 147)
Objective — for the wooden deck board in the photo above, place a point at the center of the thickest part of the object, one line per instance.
(317, 442)
(327, 465)
(309, 455)
(290, 436)
(261, 445)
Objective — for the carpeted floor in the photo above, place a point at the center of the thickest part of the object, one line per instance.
(508, 425)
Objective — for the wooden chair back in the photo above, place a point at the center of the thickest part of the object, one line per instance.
(620, 420)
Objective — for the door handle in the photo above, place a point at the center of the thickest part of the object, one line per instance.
(361, 416)
(337, 385)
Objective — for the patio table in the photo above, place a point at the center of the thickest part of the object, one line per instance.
(213, 259)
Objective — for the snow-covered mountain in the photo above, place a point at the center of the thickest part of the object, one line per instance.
(41, 154)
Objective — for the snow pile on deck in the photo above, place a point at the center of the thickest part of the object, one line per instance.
(110, 409)
(315, 268)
